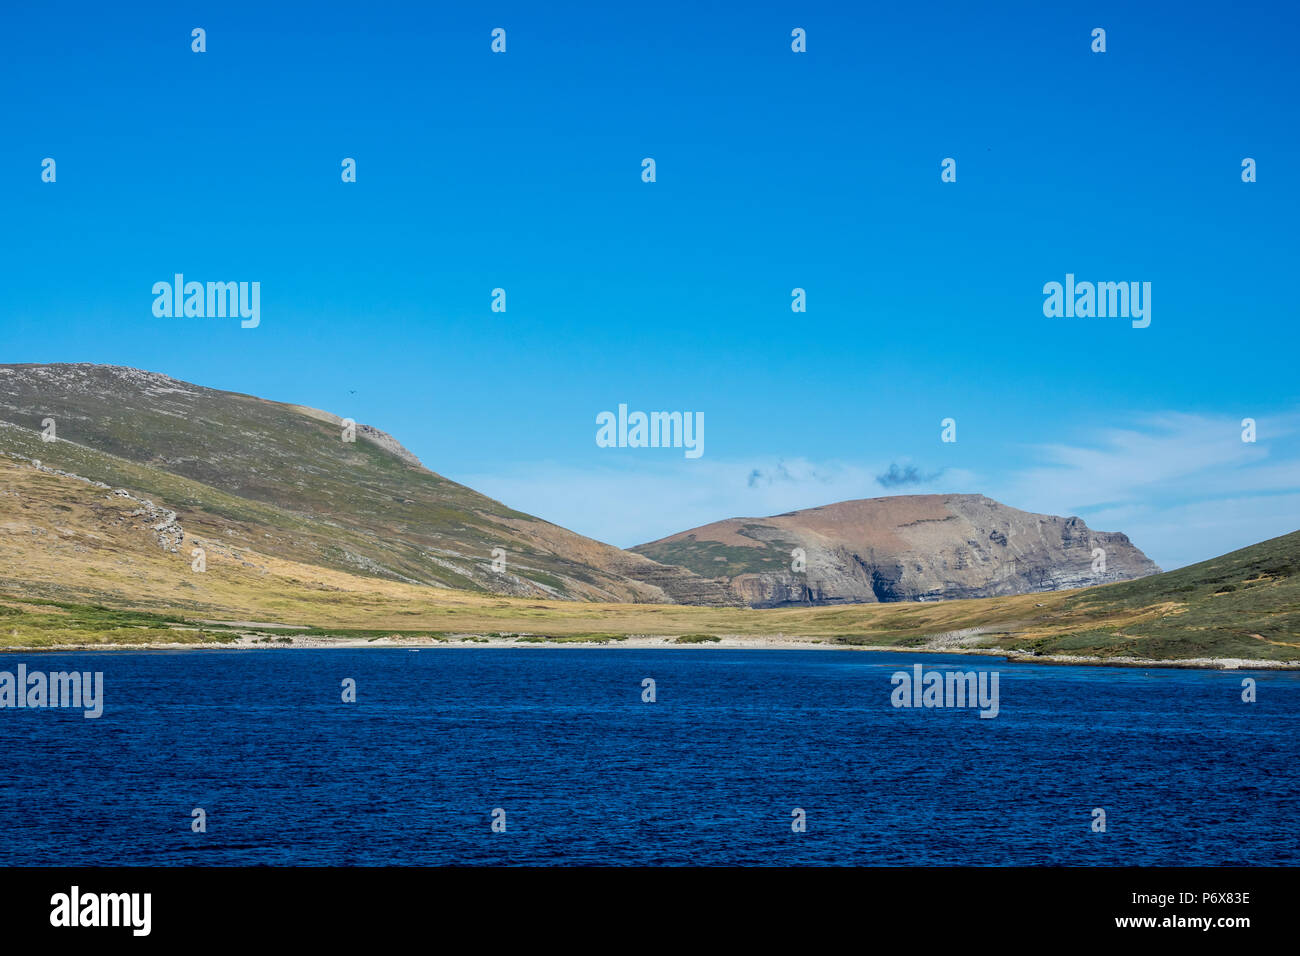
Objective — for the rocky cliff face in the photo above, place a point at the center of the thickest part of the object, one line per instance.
(901, 548)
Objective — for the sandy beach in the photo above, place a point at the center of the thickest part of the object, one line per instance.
(941, 644)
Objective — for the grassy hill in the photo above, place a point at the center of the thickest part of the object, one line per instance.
(1230, 605)
(280, 478)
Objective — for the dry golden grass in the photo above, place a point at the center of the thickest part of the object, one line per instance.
(65, 540)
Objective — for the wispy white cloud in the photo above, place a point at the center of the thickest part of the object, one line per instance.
(1183, 487)
(1163, 452)
(1182, 534)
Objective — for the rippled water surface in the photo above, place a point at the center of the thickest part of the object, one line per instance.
(588, 773)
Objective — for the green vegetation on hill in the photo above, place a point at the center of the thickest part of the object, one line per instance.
(282, 480)
(714, 559)
(1243, 604)
(48, 624)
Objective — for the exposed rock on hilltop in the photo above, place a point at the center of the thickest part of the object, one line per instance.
(901, 548)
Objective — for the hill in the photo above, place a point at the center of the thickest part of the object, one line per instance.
(900, 548)
(82, 565)
(246, 473)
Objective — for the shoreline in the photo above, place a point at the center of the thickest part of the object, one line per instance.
(644, 642)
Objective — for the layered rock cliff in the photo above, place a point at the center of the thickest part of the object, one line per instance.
(901, 548)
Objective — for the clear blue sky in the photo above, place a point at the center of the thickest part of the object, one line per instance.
(775, 170)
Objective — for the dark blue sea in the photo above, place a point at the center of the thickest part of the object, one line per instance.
(588, 773)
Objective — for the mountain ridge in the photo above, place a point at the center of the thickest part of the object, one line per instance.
(900, 547)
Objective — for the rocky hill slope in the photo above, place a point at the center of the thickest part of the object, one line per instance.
(280, 481)
(900, 548)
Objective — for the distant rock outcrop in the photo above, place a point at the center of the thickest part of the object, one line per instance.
(167, 530)
(901, 548)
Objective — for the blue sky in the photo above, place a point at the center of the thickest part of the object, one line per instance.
(775, 170)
